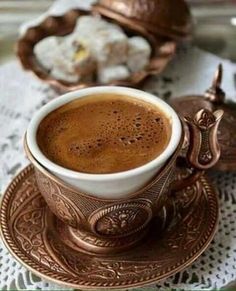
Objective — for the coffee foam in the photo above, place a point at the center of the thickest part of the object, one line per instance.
(104, 134)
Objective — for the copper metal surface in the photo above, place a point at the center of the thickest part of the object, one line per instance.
(105, 225)
(166, 18)
(163, 52)
(111, 226)
(38, 240)
(204, 150)
(214, 99)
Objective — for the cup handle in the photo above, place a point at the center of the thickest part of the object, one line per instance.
(203, 150)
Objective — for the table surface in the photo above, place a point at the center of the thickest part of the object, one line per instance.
(211, 34)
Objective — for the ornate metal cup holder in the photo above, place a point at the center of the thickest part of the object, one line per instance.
(106, 226)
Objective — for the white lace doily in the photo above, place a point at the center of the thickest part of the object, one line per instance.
(190, 72)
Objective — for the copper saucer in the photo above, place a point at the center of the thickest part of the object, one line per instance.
(37, 239)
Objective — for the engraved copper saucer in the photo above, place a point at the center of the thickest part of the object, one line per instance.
(37, 239)
(214, 99)
(163, 51)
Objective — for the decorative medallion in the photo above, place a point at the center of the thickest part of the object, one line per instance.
(120, 218)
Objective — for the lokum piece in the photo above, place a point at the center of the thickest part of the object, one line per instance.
(107, 42)
(139, 53)
(60, 74)
(46, 49)
(114, 73)
(86, 24)
(78, 53)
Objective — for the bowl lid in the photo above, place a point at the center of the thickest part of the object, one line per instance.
(168, 18)
(213, 99)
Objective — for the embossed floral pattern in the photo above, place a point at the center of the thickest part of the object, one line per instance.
(56, 201)
(205, 120)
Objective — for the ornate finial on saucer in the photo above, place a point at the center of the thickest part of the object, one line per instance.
(215, 94)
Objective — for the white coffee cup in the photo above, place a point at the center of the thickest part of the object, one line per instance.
(107, 186)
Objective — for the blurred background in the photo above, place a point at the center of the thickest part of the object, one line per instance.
(12, 14)
(215, 24)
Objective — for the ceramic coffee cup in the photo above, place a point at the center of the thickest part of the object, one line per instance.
(108, 186)
(117, 220)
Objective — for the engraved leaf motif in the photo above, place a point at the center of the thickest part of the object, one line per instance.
(205, 120)
(29, 227)
(205, 157)
(56, 201)
(64, 210)
(27, 190)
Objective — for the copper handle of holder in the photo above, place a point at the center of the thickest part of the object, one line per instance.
(204, 150)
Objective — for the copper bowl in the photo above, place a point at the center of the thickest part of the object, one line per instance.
(163, 50)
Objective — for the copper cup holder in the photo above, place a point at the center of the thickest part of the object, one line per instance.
(110, 226)
(100, 225)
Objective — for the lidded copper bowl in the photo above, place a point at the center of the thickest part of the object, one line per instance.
(168, 18)
(161, 22)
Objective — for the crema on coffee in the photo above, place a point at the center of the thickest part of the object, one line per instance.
(104, 133)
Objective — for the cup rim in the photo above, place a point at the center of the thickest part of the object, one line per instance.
(64, 99)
